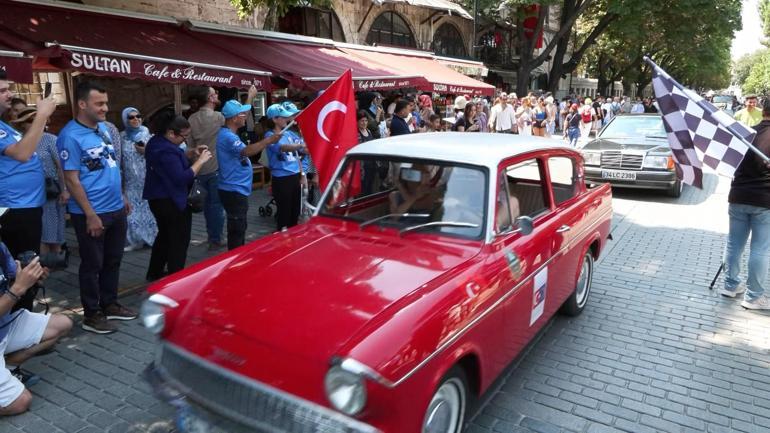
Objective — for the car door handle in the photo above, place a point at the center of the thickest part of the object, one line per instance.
(564, 228)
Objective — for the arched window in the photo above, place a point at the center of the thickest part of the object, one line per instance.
(390, 29)
(448, 42)
(312, 22)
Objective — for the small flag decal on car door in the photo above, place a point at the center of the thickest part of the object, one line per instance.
(538, 295)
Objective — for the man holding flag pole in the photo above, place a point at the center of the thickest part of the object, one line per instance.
(698, 134)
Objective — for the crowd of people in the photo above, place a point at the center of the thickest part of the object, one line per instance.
(575, 117)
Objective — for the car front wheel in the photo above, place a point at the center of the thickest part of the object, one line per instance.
(446, 411)
(575, 303)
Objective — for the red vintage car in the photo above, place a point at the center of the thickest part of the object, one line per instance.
(430, 263)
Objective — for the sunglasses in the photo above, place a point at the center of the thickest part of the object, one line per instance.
(132, 117)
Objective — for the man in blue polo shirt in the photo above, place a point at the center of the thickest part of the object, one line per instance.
(97, 207)
(235, 172)
(22, 182)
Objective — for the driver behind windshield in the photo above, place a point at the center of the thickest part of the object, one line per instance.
(417, 191)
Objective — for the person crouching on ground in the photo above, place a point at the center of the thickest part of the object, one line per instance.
(23, 334)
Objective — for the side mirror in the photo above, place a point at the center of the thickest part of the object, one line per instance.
(525, 225)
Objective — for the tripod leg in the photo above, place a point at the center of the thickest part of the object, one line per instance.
(721, 268)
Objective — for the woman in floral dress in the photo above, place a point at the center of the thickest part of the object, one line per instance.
(141, 224)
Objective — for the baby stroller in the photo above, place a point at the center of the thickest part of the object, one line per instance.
(267, 209)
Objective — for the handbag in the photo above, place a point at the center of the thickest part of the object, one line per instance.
(196, 197)
(52, 188)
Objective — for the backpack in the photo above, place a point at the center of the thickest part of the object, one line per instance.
(586, 115)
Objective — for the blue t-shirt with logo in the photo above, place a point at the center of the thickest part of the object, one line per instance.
(235, 171)
(283, 164)
(22, 184)
(91, 153)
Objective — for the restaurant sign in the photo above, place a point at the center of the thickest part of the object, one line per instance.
(99, 64)
(382, 84)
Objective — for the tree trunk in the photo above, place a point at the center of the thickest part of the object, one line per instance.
(271, 19)
(557, 65)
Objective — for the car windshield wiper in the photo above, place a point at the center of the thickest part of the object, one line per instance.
(654, 136)
(438, 224)
(393, 215)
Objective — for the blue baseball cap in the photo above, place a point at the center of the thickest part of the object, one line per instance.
(290, 107)
(277, 110)
(233, 108)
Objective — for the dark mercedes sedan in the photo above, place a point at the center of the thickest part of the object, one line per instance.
(632, 152)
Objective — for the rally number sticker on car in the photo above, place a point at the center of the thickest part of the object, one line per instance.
(538, 295)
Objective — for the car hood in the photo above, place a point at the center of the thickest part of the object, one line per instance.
(631, 144)
(308, 290)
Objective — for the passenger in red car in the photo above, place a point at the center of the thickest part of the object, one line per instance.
(415, 191)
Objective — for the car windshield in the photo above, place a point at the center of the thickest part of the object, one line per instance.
(723, 99)
(634, 126)
(410, 195)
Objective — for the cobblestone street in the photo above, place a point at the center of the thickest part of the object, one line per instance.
(654, 351)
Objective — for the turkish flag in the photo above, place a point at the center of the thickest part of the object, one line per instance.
(328, 126)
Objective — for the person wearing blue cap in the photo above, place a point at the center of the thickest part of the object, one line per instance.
(308, 177)
(284, 166)
(235, 172)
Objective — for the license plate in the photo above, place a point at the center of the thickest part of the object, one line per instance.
(619, 175)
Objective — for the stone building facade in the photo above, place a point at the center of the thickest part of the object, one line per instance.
(355, 16)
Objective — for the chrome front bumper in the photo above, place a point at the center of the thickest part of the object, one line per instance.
(230, 402)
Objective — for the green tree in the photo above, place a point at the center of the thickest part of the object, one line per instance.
(275, 8)
(742, 66)
(688, 38)
(758, 78)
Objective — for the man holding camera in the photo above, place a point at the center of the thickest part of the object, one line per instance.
(97, 207)
(22, 181)
(23, 334)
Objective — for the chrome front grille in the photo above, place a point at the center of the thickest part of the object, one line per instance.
(622, 161)
(251, 403)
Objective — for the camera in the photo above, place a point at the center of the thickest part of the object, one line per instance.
(50, 260)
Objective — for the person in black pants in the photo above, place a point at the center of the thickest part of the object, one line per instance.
(22, 181)
(235, 168)
(97, 207)
(285, 167)
(167, 183)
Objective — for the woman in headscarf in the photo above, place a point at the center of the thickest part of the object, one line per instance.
(142, 228)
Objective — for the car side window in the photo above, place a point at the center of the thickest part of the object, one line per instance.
(526, 189)
(564, 178)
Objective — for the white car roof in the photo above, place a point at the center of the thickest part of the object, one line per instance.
(483, 149)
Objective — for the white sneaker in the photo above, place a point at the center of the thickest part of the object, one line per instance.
(731, 294)
(761, 303)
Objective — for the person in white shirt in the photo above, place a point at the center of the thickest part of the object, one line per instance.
(607, 107)
(502, 118)
(638, 107)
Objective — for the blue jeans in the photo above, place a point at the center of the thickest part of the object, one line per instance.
(212, 208)
(573, 134)
(745, 219)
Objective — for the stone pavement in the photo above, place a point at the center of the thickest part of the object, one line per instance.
(654, 351)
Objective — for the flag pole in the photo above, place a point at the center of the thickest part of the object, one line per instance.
(702, 105)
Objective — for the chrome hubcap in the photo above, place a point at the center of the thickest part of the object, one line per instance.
(583, 282)
(445, 410)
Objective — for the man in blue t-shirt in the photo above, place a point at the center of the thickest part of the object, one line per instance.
(22, 182)
(98, 208)
(23, 334)
(235, 172)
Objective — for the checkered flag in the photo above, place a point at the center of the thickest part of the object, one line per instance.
(698, 132)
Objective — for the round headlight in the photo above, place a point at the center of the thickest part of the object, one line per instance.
(346, 391)
(153, 317)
